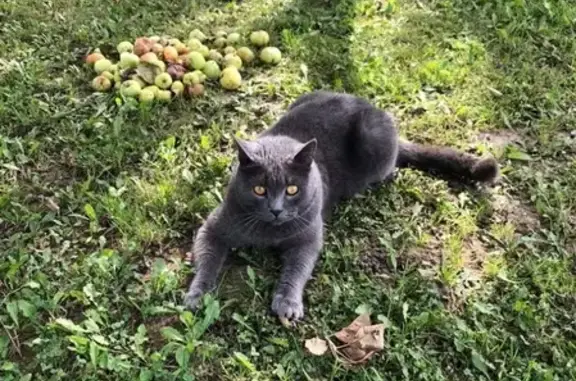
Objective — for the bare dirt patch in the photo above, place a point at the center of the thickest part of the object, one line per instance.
(500, 139)
(508, 209)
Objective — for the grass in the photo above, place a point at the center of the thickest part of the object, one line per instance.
(99, 199)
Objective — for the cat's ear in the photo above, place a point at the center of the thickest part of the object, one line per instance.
(305, 155)
(244, 152)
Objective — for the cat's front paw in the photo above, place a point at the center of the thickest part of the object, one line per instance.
(193, 298)
(288, 308)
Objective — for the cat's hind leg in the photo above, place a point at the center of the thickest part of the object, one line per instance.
(306, 98)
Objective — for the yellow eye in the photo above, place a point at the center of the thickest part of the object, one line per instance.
(259, 190)
(291, 190)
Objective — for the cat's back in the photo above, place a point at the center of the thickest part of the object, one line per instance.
(322, 115)
(356, 141)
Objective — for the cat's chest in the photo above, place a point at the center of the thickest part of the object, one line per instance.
(260, 236)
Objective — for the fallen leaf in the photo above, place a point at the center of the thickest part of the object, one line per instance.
(359, 356)
(316, 346)
(354, 353)
(373, 338)
(148, 72)
(349, 334)
(361, 340)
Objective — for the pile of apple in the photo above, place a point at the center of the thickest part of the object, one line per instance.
(162, 67)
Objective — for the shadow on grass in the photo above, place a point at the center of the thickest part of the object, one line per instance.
(317, 33)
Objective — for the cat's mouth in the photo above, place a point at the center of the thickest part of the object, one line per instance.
(278, 221)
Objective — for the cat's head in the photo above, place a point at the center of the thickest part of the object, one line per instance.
(275, 181)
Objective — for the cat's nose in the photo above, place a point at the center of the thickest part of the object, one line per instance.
(276, 212)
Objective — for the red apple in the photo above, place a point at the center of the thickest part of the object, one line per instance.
(92, 58)
(149, 57)
(157, 48)
(142, 46)
(196, 90)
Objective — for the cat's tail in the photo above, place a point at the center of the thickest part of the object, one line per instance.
(446, 161)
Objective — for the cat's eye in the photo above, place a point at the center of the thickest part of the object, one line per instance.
(259, 190)
(291, 190)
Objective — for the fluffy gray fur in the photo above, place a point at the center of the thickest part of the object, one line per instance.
(331, 146)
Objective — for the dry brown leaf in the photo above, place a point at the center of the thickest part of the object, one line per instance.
(361, 340)
(354, 353)
(373, 338)
(349, 356)
(316, 346)
(349, 334)
(356, 356)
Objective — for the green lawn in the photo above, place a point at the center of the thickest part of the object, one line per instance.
(99, 200)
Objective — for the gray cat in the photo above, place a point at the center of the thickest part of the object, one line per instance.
(327, 147)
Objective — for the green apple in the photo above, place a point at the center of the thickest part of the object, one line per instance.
(233, 38)
(101, 83)
(194, 44)
(232, 60)
(221, 34)
(259, 38)
(271, 55)
(215, 55)
(204, 50)
(102, 65)
(113, 68)
(220, 42)
(246, 54)
(129, 60)
(212, 70)
(146, 96)
(130, 88)
(108, 75)
(154, 39)
(229, 50)
(197, 34)
(163, 95)
(201, 75)
(177, 88)
(163, 80)
(231, 78)
(125, 47)
(164, 40)
(195, 60)
(117, 80)
(155, 89)
(190, 78)
(181, 48)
